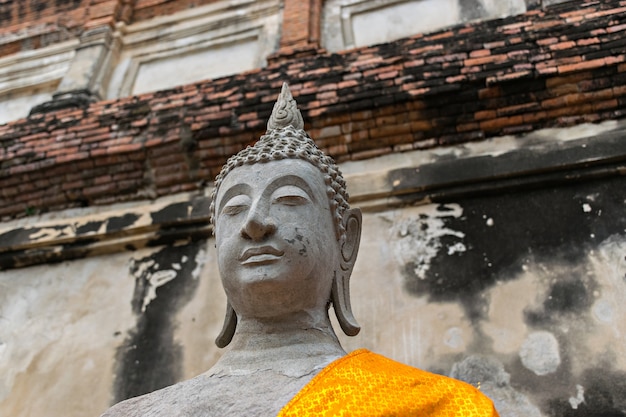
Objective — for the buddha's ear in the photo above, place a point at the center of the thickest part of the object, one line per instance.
(228, 329)
(349, 247)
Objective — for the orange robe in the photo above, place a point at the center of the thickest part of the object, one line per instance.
(364, 384)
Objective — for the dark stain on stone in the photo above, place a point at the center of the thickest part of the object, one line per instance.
(89, 227)
(502, 231)
(121, 222)
(23, 236)
(570, 294)
(7, 261)
(149, 358)
(171, 234)
(604, 395)
(171, 213)
(16, 236)
(471, 10)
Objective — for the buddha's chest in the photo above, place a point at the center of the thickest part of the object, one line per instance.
(260, 394)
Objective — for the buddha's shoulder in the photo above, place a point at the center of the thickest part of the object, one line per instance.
(170, 401)
(259, 393)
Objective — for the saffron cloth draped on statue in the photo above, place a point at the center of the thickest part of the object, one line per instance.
(365, 384)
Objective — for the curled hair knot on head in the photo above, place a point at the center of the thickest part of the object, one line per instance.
(286, 138)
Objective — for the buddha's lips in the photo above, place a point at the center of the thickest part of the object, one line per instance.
(263, 253)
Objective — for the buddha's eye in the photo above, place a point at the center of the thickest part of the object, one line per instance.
(236, 205)
(291, 200)
(290, 195)
(233, 210)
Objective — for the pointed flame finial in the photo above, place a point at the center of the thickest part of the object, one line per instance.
(285, 112)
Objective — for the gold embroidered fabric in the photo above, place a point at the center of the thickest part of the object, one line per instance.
(367, 384)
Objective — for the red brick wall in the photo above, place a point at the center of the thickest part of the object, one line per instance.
(32, 24)
(548, 68)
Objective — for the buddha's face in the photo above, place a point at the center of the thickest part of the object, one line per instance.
(276, 243)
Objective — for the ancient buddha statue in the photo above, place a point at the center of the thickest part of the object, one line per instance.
(287, 242)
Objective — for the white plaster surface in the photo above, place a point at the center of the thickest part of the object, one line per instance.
(218, 39)
(29, 78)
(17, 105)
(163, 73)
(58, 325)
(500, 8)
(403, 19)
(352, 23)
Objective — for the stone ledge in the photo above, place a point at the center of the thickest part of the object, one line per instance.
(85, 233)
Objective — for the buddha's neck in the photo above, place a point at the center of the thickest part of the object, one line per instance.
(291, 348)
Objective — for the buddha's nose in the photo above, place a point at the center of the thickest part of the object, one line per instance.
(258, 225)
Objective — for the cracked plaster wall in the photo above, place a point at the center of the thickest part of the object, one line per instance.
(79, 335)
(516, 293)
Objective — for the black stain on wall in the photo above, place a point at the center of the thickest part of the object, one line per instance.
(603, 396)
(560, 225)
(149, 358)
(170, 213)
(554, 227)
(121, 222)
(89, 227)
(570, 294)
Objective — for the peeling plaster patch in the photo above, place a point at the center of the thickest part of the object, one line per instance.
(420, 239)
(51, 233)
(488, 374)
(579, 398)
(603, 310)
(156, 280)
(454, 338)
(540, 353)
(200, 261)
(456, 248)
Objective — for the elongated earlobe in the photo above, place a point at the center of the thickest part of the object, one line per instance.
(341, 283)
(228, 329)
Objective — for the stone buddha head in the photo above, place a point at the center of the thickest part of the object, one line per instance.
(286, 237)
